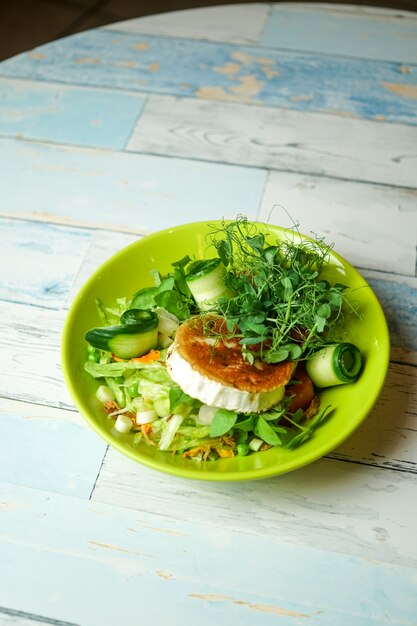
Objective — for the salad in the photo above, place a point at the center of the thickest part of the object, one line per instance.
(226, 355)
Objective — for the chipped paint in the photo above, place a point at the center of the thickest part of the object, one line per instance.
(269, 73)
(269, 608)
(186, 60)
(126, 64)
(153, 67)
(88, 60)
(247, 90)
(229, 69)
(110, 547)
(243, 57)
(407, 91)
(36, 55)
(249, 86)
(210, 597)
(263, 608)
(219, 93)
(302, 98)
(209, 92)
(141, 46)
(164, 575)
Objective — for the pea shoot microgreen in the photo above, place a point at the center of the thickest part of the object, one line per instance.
(283, 308)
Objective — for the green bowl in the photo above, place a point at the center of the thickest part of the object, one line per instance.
(129, 270)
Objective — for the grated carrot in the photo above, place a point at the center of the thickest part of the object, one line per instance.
(152, 355)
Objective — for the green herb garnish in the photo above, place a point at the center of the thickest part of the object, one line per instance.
(283, 307)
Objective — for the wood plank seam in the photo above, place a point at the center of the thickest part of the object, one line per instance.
(35, 618)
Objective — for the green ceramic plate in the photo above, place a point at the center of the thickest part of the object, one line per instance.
(129, 270)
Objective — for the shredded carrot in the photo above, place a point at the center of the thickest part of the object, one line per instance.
(151, 356)
(146, 429)
(195, 451)
(225, 453)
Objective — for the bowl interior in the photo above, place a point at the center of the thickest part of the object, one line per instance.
(129, 270)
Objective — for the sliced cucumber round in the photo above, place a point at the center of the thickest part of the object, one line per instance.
(335, 365)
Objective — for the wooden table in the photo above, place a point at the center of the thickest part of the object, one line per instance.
(279, 112)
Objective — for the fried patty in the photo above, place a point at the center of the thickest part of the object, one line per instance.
(207, 363)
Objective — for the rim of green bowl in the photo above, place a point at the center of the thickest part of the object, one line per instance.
(196, 471)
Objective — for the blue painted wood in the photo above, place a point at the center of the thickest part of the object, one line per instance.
(361, 35)
(145, 193)
(46, 260)
(117, 564)
(49, 453)
(399, 301)
(68, 114)
(306, 82)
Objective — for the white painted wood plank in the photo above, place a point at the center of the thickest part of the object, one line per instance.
(373, 227)
(30, 363)
(353, 9)
(45, 260)
(274, 138)
(117, 564)
(352, 33)
(342, 507)
(47, 448)
(388, 437)
(212, 23)
(134, 192)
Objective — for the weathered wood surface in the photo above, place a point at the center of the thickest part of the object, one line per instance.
(274, 138)
(117, 564)
(215, 71)
(140, 193)
(285, 113)
(354, 31)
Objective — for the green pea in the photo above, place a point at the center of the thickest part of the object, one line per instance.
(119, 380)
(242, 449)
(91, 349)
(94, 357)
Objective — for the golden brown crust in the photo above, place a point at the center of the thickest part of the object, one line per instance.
(205, 344)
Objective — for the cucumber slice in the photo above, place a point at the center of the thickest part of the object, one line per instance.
(205, 280)
(335, 365)
(136, 335)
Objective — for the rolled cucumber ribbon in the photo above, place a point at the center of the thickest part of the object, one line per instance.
(206, 283)
(136, 335)
(335, 365)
